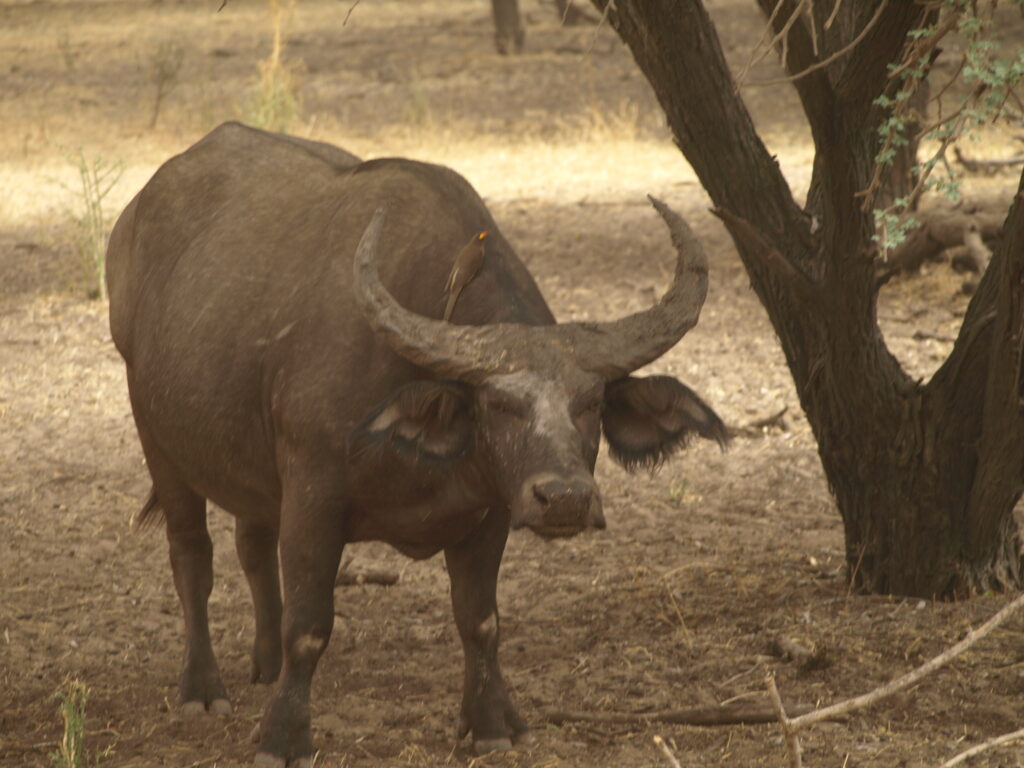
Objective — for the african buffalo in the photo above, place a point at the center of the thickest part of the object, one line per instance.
(285, 360)
(509, 34)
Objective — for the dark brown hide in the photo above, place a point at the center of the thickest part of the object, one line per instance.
(319, 409)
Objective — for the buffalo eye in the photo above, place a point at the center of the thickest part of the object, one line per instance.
(503, 405)
(422, 420)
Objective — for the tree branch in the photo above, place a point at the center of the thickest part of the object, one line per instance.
(792, 740)
(832, 58)
(671, 41)
(730, 714)
(815, 90)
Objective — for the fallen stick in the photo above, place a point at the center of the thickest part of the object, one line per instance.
(660, 743)
(732, 714)
(790, 726)
(973, 164)
(909, 679)
(347, 578)
(1006, 738)
(756, 427)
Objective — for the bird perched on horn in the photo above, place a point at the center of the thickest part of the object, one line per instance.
(467, 263)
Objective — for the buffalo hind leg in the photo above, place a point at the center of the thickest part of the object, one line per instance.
(191, 553)
(487, 709)
(256, 545)
(311, 545)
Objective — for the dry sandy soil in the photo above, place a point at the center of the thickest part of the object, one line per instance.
(702, 565)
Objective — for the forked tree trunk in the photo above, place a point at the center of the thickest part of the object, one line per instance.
(925, 476)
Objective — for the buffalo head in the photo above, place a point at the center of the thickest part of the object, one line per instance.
(529, 402)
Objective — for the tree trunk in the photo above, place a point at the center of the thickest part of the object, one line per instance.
(925, 477)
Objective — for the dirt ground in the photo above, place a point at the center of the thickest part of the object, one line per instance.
(703, 564)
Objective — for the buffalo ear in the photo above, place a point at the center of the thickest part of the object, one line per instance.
(424, 420)
(646, 420)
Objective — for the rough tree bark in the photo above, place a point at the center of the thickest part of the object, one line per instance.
(925, 475)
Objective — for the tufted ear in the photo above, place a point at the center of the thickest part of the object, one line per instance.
(646, 420)
(424, 420)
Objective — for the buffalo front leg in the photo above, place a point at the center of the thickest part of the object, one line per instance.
(473, 564)
(311, 545)
(256, 545)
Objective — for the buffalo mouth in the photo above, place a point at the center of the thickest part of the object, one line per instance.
(555, 507)
(556, 531)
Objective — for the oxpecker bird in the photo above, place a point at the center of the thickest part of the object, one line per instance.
(467, 264)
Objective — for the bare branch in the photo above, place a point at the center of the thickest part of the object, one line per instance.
(660, 742)
(729, 714)
(792, 741)
(1006, 738)
(781, 38)
(350, 9)
(912, 677)
(832, 16)
(834, 57)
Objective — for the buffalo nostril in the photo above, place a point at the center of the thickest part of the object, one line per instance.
(546, 493)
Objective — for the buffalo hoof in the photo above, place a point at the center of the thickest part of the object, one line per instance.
(197, 708)
(267, 760)
(486, 746)
(524, 739)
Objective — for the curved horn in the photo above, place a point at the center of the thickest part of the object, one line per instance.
(455, 351)
(615, 349)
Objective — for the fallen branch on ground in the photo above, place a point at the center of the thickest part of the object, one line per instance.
(660, 742)
(791, 725)
(939, 230)
(1006, 738)
(349, 578)
(732, 714)
(972, 165)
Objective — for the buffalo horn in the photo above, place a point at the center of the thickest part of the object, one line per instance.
(615, 349)
(472, 352)
(455, 351)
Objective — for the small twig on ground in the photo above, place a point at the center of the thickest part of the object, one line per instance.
(205, 761)
(1006, 738)
(347, 578)
(792, 741)
(756, 427)
(660, 742)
